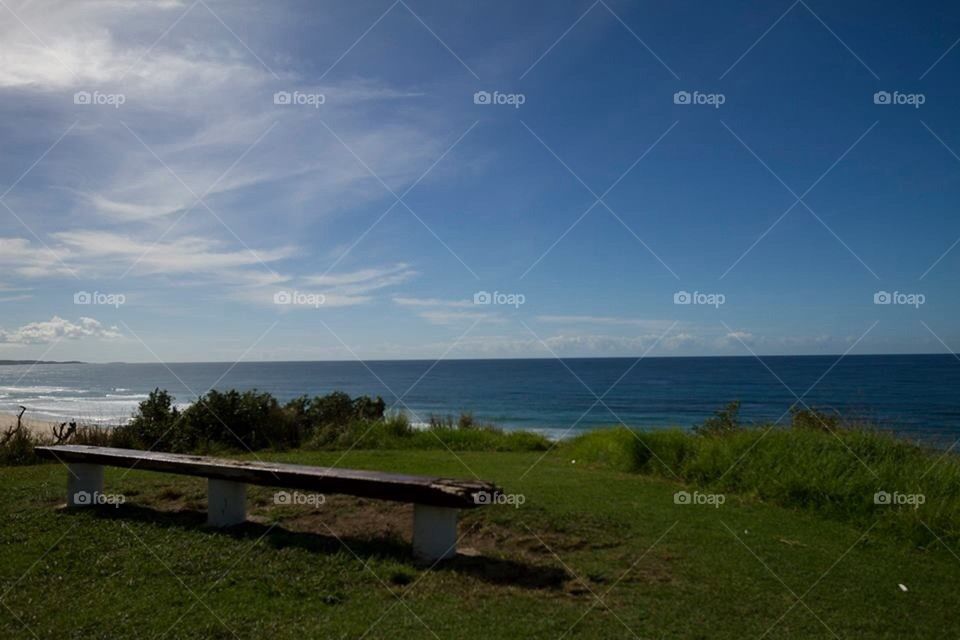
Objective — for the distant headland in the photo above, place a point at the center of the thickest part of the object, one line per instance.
(31, 362)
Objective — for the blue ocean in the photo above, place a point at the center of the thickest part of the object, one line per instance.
(913, 395)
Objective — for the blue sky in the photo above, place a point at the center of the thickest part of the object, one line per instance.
(389, 192)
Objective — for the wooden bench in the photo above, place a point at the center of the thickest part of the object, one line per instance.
(436, 501)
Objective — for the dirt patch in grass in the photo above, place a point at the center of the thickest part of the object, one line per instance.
(491, 552)
(350, 518)
(494, 553)
(495, 537)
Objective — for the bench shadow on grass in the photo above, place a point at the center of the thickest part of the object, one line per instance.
(498, 571)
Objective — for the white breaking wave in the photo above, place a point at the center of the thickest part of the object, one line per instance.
(40, 389)
(106, 409)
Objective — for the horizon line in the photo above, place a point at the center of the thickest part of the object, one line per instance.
(27, 361)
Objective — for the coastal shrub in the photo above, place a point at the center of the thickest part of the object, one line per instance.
(464, 421)
(722, 421)
(335, 408)
(252, 420)
(153, 425)
(810, 418)
(396, 432)
(322, 420)
(365, 408)
(17, 447)
(98, 436)
(244, 420)
(397, 426)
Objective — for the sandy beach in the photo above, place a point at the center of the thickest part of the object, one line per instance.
(36, 427)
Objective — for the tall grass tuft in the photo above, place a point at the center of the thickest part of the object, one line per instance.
(840, 471)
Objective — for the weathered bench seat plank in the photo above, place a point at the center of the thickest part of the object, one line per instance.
(424, 490)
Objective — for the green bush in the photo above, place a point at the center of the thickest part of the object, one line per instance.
(98, 436)
(464, 421)
(17, 448)
(723, 421)
(154, 425)
(395, 432)
(252, 420)
(323, 420)
(243, 420)
(809, 418)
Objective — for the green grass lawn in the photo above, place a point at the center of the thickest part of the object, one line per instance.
(591, 553)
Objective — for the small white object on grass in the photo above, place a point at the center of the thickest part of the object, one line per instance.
(573, 462)
(903, 587)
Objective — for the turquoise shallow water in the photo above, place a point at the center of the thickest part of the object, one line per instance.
(916, 395)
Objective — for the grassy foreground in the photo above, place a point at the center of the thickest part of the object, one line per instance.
(600, 548)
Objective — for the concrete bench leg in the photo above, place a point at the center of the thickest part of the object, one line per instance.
(434, 532)
(84, 482)
(226, 502)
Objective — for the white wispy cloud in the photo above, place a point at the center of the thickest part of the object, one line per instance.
(98, 249)
(603, 320)
(32, 260)
(432, 302)
(323, 291)
(198, 120)
(58, 328)
(91, 253)
(64, 44)
(364, 280)
(448, 317)
(448, 312)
